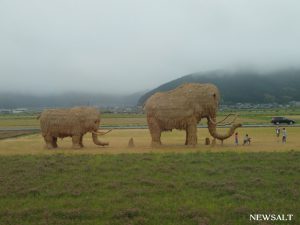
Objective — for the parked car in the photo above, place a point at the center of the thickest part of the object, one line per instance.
(281, 119)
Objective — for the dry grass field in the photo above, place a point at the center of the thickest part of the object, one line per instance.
(263, 139)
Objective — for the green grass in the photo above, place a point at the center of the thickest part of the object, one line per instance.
(13, 134)
(123, 119)
(252, 116)
(122, 115)
(169, 189)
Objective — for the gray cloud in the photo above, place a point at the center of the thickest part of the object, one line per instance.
(123, 46)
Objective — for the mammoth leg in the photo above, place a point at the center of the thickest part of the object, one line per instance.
(155, 131)
(76, 141)
(191, 134)
(186, 136)
(156, 138)
(49, 142)
(54, 142)
(81, 144)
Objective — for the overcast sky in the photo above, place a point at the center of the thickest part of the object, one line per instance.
(124, 46)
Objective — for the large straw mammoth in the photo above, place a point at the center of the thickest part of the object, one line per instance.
(73, 122)
(183, 108)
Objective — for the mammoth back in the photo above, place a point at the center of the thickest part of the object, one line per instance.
(182, 101)
(69, 116)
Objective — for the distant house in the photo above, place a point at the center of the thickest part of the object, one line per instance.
(295, 103)
(5, 111)
(19, 110)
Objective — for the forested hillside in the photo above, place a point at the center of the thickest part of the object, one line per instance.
(244, 86)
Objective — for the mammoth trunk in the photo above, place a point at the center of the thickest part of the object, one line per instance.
(212, 127)
(97, 141)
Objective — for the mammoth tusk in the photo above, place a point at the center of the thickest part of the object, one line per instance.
(230, 114)
(231, 121)
(101, 133)
(212, 121)
(215, 123)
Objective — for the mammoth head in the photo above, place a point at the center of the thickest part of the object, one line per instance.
(94, 124)
(90, 121)
(208, 100)
(216, 98)
(89, 118)
(214, 102)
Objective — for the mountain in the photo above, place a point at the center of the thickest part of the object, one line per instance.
(244, 86)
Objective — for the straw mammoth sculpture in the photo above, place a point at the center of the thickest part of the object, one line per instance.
(183, 108)
(73, 122)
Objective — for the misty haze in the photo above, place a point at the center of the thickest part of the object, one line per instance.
(126, 47)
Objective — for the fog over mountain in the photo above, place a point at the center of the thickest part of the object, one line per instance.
(243, 86)
(236, 86)
(10, 100)
(113, 47)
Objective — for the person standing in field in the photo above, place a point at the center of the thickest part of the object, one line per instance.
(247, 140)
(236, 138)
(277, 131)
(284, 135)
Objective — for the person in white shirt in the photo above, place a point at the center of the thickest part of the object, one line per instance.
(277, 132)
(284, 135)
(247, 139)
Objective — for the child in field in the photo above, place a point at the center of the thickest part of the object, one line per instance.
(236, 139)
(277, 132)
(284, 135)
(247, 140)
